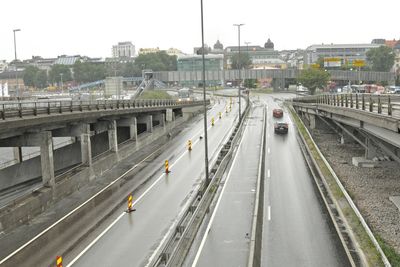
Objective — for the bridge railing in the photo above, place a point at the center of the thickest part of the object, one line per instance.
(384, 104)
(20, 109)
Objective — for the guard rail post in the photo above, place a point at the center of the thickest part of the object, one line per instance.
(347, 100)
(363, 101)
(3, 113)
(71, 106)
(357, 104)
(341, 100)
(19, 109)
(48, 107)
(389, 107)
(60, 109)
(379, 105)
(35, 110)
(351, 100)
(80, 105)
(371, 104)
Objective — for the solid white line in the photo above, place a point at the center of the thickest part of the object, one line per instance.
(269, 173)
(135, 203)
(203, 241)
(269, 213)
(269, 150)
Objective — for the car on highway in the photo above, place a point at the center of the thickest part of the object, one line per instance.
(277, 113)
(281, 127)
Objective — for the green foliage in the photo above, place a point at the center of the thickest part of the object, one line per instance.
(381, 58)
(313, 79)
(242, 61)
(250, 83)
(155, 94)
(390, 252)
(40, 80)
(131, 70)
(159, 61)
(57, 70)
(29, 75)
(88, 72)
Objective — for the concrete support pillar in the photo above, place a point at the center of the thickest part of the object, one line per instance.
(371, 151)
(148, 120)
(170, 116)
(160, 117)
(312, 121)
(112, 136)
(86, 148)
(46, 159)
(17, 154)
(133, 129)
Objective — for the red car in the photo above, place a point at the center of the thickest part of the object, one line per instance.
(281, 127)
(277, 113)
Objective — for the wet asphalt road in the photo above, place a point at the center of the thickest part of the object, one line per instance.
(296, 231)
(227, 240)
(132, 239)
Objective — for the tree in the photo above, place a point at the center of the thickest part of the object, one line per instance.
(250, 83)
(159, 61)
(381, 58)
(57, 70)
(29, 75)
(242, 61)
(40, 80)
(313, 79)
(88, 72)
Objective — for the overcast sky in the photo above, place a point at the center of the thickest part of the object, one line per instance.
(87, 27)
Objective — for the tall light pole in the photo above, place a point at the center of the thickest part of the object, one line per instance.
(239, 67)
(62, 87)
(204, 98)
(247, 44)
(15, 61)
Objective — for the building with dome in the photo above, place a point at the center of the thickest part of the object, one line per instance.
(269, 44)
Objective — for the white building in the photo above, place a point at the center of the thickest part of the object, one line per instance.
(342, 52)
(3, 65)
(123, 49)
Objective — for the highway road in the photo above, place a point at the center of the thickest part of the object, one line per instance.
(131, 239)
(296, 229)
(227, 237)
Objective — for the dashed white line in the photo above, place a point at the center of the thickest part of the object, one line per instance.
(269, 150)
(269, 213)
(269, 173)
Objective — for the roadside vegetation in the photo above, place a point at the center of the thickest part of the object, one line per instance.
(155, 94)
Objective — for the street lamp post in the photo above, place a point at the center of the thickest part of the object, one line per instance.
(239, 67)
(15, 61)
(62, 87)
(204, 99)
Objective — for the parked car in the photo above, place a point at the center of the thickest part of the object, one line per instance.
(281, 127)
(277, 113)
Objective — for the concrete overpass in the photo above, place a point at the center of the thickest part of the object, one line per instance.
(371, 120)
(279, 76)
(98, 127)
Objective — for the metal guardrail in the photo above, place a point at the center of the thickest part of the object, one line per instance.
(384, 104)
(349, 201)
(20, 109)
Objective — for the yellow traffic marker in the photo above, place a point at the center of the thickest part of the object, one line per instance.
(130, 204)
(212, 121)
(220, 115)
(190, 145)
(59, 261)
(167, 167)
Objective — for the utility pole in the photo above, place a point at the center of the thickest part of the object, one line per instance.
(15, 62)
(239, 66)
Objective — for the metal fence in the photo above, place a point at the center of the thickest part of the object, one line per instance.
(20, 109)
(385, 104)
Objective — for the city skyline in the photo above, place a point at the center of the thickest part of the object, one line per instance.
(79, 27)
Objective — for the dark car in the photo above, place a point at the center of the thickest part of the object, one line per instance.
(281, 127)
(277, 113)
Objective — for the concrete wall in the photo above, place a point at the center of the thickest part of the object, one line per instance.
(99, 143)
(64, 157)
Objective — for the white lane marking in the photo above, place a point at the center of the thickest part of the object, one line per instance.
(135, 203)
(269, 150)
(269, 213)
(203, 241)
(269, 173)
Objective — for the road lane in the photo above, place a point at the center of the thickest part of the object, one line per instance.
(134, 236)
(296, 230)
(227, 238)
